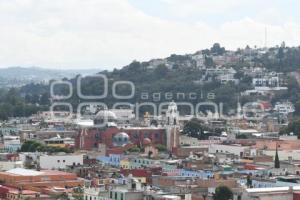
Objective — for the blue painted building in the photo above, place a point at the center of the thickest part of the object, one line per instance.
(112, 159)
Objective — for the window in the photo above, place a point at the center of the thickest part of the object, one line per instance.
(146, 135)
(58, 161)
(64, 161)
(156, 135)
(135, 135)
(121, 196)
(110, 194)
(116, 195)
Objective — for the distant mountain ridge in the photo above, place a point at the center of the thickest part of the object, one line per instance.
(18, 76)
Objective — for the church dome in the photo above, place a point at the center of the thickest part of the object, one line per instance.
(105, 117)
(146, 141)
(106, 114)
(121, 139)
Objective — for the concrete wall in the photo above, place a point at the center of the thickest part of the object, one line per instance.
(60, 161)
(284, 154)
(219, 148)
(269, 196)
(133, 196)
(7, 165)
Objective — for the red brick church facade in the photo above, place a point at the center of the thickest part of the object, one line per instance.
(89, 138)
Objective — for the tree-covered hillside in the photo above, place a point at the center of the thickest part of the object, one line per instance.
(175, 74)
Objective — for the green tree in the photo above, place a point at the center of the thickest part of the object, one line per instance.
(217, 49)
(276, 162)
(249, 181)
(33, 146)
(223, 193)
(134, 149)
(63, 196)
(161, 148)
(161, 71)
(208, 61)
(297, 108)
(280, 55)
(194, 128)
(293, 127)
(150, 154)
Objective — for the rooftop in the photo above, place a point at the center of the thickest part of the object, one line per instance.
(29, 172)
(272, 189)
(24, 172)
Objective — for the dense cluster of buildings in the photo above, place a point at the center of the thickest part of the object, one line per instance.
(111, 154)
(126, 160)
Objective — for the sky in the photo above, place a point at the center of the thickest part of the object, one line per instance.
(109, 34)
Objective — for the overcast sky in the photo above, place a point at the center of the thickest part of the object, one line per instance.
(112, 33)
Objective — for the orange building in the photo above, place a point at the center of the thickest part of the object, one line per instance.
(39, 181)
(280, 144)
(11, 193)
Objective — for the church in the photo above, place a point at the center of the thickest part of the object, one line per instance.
(122, 138)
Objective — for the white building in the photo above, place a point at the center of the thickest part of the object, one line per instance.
(284, 108)
(96, 194)
(56, 117)
(266, 81)
(231, 149)
(262, 90)
(60, 161)
(220, 71)
(284, 154)
(228, 78)
(273, 193)
(191, 141)
(132, 191)
(123, 114)
(200, 60)
(58, 141)
(8, 165)
(172, 114)
(11, 143)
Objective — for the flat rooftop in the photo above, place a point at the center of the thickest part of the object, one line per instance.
(29, 172)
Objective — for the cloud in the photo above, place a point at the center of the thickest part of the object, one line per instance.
(190, 7)
(112, 33)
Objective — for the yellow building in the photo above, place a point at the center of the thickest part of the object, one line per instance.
(141, 179)
(59, 142)
(125, 164)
